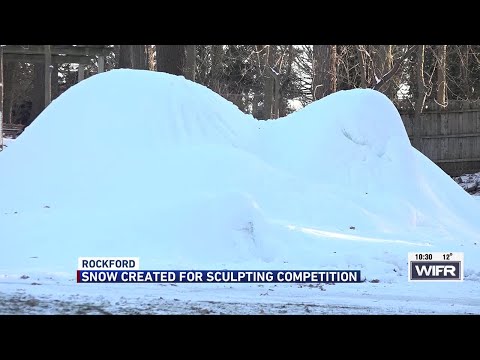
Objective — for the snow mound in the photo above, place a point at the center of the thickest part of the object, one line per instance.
(138, 163)
(347, 137)
(124, 104)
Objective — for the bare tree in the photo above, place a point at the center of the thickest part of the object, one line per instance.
(333, 68)
(55, 87)
(170, 58)
(363, 66)
(125, 60)
(421, 88)
(442, 75)
(282, 107)
(38, 91)
(9, 70)
(151, 57)
(216, 69)
(465, 60)
(268, 97)
(132, 57)
(382, 64)
(324, 70)
(394, 70)
(190, 62)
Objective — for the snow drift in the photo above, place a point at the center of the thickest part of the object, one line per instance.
(138, 163)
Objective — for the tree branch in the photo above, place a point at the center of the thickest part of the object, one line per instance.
(289, 69)
(395, 68)
(363, 71)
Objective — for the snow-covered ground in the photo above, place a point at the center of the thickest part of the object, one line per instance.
(138, 163)
(53, 294)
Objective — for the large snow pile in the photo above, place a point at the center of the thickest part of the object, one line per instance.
(138, 163)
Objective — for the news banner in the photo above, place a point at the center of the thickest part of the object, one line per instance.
(127, 270)
(436, 266)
